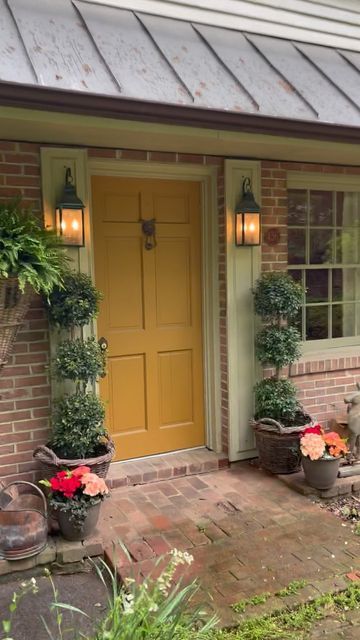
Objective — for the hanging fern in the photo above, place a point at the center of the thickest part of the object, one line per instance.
(28, 251)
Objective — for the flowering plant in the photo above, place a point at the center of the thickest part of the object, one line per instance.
(75, 491)
(316, 443)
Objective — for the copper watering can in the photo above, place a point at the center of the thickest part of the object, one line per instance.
(23, 522)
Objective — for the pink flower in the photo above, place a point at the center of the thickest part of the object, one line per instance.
(79, 471)
(93, 485)
(312, 445)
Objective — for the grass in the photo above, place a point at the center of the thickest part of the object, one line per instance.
(294, 624)
(292, 589)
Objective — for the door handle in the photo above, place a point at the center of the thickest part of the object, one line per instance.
(103, 344)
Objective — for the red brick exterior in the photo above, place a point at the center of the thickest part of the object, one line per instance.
(24, 381)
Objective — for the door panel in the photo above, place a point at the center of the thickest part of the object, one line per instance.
(151, 313)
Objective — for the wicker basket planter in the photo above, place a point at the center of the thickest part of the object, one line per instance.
(279, 446)
(99, 465)
(13, 308)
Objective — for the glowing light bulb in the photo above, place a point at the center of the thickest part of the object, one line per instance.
(75, 225)
(63, 225)
(251, 227)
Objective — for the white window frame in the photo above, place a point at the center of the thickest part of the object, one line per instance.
(324, 182)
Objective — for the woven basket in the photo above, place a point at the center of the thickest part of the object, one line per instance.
(13, 307)
(99, 465)
(278, 446)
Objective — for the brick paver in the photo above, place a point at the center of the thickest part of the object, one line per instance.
(247, 531)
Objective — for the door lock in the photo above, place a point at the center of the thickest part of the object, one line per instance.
(103, 344)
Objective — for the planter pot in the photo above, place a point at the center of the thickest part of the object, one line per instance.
(68, 529)
(53, 464)
(321, 474)
(279, 446)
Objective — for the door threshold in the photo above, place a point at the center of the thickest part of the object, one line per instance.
(167, 466)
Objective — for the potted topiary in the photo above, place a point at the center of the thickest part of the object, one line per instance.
(279, 417)
(78, 433)
(32, 259)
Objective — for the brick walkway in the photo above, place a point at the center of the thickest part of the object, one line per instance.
(248, 534)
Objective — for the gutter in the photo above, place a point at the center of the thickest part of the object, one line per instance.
(104, 106)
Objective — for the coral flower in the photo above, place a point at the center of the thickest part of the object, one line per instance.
(312, 445)
(79, 471)
(93, 485)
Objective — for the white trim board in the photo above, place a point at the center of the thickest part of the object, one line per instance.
(210, 303)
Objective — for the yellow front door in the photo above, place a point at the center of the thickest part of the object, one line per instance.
(151, 312)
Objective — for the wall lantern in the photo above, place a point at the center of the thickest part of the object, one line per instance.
(69, 214)
(247, 218)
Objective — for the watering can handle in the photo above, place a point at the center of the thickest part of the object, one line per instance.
(33, 486)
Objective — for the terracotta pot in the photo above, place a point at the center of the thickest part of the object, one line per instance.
(322, 473)
(68, 529)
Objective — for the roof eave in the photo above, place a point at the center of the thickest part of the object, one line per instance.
(104, 106)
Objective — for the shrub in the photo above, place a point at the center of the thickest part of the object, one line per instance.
(79, 360)
(277, 345)
(276, 399)
(74, 304)
(28, 251)
(277, 295)
(78, 428)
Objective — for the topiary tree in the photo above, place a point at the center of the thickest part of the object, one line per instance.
(277, 300)
(77, 421)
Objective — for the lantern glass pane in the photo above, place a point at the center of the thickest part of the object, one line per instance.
(251, 228)
(69, 224)
(239, 229)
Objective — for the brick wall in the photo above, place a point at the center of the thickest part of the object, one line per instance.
(24, 382)
(322, 381)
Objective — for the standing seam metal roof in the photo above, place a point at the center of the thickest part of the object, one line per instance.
(96, 49)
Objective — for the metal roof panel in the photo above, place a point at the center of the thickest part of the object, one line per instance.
(59, 47)
(318, 91)
(205, 76)
(131, 55)
(14, 62)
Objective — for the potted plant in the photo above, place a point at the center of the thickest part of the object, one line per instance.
(78, 433)
(76, 496)
(321, 453)
(279, 417)
(32, 259)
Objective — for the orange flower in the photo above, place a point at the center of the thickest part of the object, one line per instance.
(93, 485)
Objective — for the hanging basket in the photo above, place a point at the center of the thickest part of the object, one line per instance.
(279, 446)
(13, 307)
(99, 465)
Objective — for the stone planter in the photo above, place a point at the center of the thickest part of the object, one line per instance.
(68, 529)
(322, 473)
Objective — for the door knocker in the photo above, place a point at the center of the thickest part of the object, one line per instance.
(148, 229)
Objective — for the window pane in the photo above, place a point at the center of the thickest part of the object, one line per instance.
(347, 246)
(317, 323)
(343, 320)
(317, 285)
(297, 207)
(347, 209)
(321, 246)
(296, 246)
(321, 208)
(296, 275)
(343, 284)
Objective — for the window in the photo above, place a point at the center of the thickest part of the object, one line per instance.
(324, 255)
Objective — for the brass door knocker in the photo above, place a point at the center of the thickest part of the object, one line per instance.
(148, 229)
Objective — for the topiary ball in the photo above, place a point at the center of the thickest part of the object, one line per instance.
(277, 346)
(76, 303)
(277, 295)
